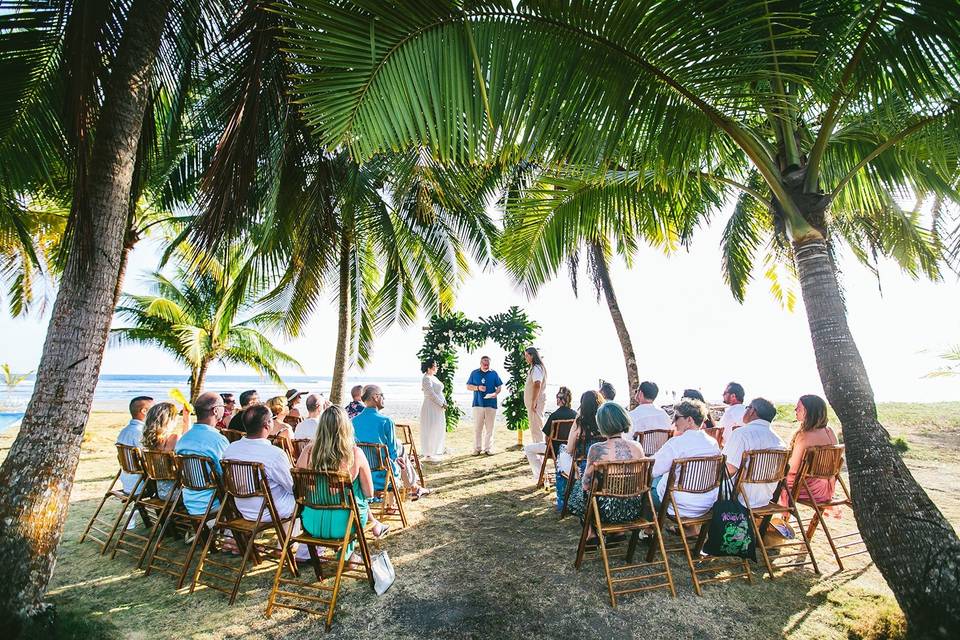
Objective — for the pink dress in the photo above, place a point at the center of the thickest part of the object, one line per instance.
(820, 488)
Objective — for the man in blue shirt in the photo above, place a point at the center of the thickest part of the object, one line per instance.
(372, 427)
(203, 439)
(485, 384)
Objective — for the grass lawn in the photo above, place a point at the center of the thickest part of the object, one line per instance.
(487, 557)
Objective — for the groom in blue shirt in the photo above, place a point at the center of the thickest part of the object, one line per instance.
(484, 382)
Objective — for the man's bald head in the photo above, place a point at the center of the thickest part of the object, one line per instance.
(206, 407)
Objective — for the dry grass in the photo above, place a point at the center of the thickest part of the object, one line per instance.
(487, 557)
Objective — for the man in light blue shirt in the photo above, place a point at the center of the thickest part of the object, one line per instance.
(485, 383)
(132, 436)
(372, 427)
(203, 439)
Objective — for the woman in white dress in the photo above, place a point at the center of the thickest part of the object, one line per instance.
(433, 418)
(535, 393)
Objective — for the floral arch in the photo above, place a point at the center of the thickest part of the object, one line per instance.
(512, 330)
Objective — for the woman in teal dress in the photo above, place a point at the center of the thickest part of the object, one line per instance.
(333, 449)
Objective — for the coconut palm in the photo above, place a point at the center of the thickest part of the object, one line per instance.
(835, 106)
(11, 379)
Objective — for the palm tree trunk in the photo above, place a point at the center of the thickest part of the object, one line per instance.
(37, 475)
(197, 379)
(342, 357)
(626, 344)
(912, 544)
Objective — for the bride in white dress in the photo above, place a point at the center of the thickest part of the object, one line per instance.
(433, 419)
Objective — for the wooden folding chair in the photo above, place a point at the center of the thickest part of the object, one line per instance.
(767, 466)
(196, 473)
(158, 466)
(287, 445)
(826, 462)
(292, 421)
(378, 457)
(623, 480)
(698, 475)
(323, 491)
(714, 432)
(131, 461)
(579, 456)
(405, 436)
(242, 480)
(299, 444)
(559, 432)
(232, 434)
(653, 440)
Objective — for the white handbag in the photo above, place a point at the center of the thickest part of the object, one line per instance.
(383, 573)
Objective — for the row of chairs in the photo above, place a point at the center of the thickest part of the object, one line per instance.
(167, 518)
(702, 475)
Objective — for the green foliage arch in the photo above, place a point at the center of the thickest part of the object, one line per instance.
(512, 330)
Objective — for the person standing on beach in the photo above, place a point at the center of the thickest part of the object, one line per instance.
(433, 414)
(535, 393)
(485, 384)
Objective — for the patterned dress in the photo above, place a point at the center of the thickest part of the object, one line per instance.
(612, 510)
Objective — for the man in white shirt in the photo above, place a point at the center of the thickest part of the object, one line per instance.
(690, 441)
(646, 415)
(733, 414)
(755, 434)
(308, 428)
(255, 447)
(132, 436)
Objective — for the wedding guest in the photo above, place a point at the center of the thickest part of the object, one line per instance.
(248, 398)
(646, 415)
(586, 424)
(535, 451)
(315, 404)
(132, 436)
(811, 412)
(689, 441)
(534, 393)
(484, 382)
(159, 434)
(278, 407)
(733, 415)
(756, 433)
(229, 408)
(433, 416)
(203, 439)
(356, 405)
(607, 391)
(294, 400)
(255, 447)
(694, 394)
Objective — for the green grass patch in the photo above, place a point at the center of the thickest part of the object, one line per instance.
(60, 623)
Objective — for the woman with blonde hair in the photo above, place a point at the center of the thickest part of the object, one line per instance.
(334, 449)
(278, 407)
(159, 434)
(813, 431)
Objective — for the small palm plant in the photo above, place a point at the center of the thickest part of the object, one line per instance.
(11, 379)
(203, 316)
(951, 367)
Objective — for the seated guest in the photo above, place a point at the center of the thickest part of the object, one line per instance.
(535, 451)
(356, 405)
(693, 394)
(335, 450)
(371, 426)
(646, 415)
(229, 408)
(812, 432)
(585, 423)
(294, 402)
(247, 399)
(613, 422)
(278, 407)
(160, 434)
(733, 415)
(756, 433)
(690, 441)
(607, 391)
(132, 436)
(255, 447)
(308, 428)
(203, 439)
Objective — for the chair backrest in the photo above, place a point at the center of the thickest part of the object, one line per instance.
(560, 429)
(322, 489)
(762, 466)
(293, 421)
(232, 434)
(299, 444)
(714, 432)
(824, 461)
(404, 434)
(160, 465)
(622, 479)
(197, 473)
(131, 460)
(700, 474)
(377, 455)
(653, 440)
(244, 479)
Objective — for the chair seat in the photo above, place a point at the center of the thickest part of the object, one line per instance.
(828, 503)
(707, 517)
(615, 527)
(304, 538)
(770, 509)
(248, 526)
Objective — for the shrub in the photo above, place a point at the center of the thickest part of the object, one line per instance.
(900, 445)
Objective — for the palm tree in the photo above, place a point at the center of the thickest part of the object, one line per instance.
(834, 105)
(952, 367)
(11, 379)
(201, 318)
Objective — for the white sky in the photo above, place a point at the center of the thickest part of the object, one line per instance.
(687, 329)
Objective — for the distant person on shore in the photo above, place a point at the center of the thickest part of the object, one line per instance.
(248, 398)
(646, 415)
(294, 402)
(160, 434)
(203, 439)
(433, 414)
(132, 436)
(229, 407)
(355, 406)
(307, 430)
(607, 391)
(534, 393)
(373, 427)
(485, 383)
(536, 450)
(813, 431)
(279, 428)
(756, 433)
(733, 415)
(255, 447)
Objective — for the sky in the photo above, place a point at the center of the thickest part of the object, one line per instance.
(687, 329)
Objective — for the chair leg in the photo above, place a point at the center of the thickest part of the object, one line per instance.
(582, 547)
(658, 532)
(686, 547)
(248, 549)
(123, 510)
(803, 534)
(416, 460)
(601, 540)
(206, 545)
(276, 576)
(760, 543)
(201, 530)
(338, 577)
(399, 499)
(96, 513)
(571, 479)
(162, 517)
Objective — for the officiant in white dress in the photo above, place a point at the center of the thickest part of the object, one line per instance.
(433, 415)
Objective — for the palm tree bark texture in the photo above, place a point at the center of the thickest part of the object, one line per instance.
(37, 475)
(344, 324)
(626, 344)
